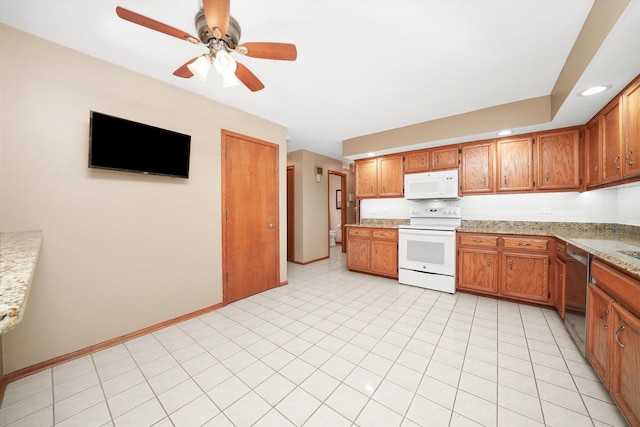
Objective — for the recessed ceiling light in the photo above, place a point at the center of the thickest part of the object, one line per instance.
(505, 132)
(371, 154)
(594, 90)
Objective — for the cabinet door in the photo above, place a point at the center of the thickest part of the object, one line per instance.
(525, 276)
(476, 168)
(366, 178)
(631, 134)
(559, 160)
(416, 162)
(611, 159)
(593, 141)
(559, 285)
(358, 254)
(598, 347)
(390, 177)
(625, 375)
(478, 270)
(515, 164)
(384, 258)
(444, 158)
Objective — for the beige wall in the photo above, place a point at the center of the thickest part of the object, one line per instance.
(312, 203)
(121, 251)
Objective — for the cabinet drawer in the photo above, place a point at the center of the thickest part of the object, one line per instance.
(525, 243)
(478, 240)
(359, 232)
(384, 234)
(561, 250)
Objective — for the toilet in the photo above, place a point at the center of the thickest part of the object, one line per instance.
(332, 237)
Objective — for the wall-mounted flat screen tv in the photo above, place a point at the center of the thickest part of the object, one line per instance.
(125, 145)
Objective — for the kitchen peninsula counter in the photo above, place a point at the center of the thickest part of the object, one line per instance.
(380, 223)
(18, 258)
(604, 241)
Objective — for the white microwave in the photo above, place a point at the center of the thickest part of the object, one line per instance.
(431, 185)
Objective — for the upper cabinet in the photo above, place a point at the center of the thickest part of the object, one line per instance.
(631, 125)
(603, 149)
(515, 164)
(444, 157)
(558, 155)
(416, 161)
(380, 177)
(477, 168)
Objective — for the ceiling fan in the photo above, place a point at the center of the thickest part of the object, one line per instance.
(220, 32)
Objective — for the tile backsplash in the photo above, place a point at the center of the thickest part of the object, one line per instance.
(612, 205)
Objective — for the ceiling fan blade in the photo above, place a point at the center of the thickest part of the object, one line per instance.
(267, 50)
(183, 71)
(216, 12)
(136, 18)
(248, 78)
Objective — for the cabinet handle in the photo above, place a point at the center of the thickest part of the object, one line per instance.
(616, 336)
(595, 169)
(511, 264)
(615, 161)
(629, 160)
(524, 244)
(477, 241)
(489, 261)
(604, 325)
(505, 180)
(547, 175)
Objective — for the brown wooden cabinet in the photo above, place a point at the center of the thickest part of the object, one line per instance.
(417, 161)
(444, 157)
(516, 267)
(631, 130)
(603, 150)
(477, 168)
(593, 154)
(514, 164)
(559, 285)
(598, 346)
(379, 177)
(613, 335)
(558, 165)
(373, 250)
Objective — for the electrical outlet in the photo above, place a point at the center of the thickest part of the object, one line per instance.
(545, 211)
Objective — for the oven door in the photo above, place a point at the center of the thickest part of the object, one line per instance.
(428, 251)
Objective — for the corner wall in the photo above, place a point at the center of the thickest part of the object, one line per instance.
(121, 251)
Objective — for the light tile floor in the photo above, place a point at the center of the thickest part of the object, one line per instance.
(333, 348)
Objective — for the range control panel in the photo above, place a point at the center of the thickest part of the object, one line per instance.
(448, 212)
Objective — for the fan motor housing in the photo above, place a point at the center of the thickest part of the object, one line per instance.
(204, 33)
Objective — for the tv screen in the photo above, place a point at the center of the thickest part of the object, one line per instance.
(124, 145)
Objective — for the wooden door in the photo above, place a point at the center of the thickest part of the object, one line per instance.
(366, 178)
(390, 177)
(611, 159)
(598, 346)
(631, 115)
(250, 230)
(625, 375)
(417, 161)
(515, 164)
(444, 158)
(593, 152)
(476, 173)
(478, 270)
(559, 160)
(525, 276)
(291, 214)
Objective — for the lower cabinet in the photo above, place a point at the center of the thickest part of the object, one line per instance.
(613, 336)
(516, 267)
(373, 250)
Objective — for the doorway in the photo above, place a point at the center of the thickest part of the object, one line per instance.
(250, 231)
(338, 206)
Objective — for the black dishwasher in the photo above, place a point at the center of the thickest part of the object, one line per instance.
(578, 265)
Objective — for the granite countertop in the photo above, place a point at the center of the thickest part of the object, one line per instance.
(380, 223)
(604, 241)
(18, 258)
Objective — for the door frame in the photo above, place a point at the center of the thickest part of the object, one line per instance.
(291, 213)
(224, 219)
(343, 210)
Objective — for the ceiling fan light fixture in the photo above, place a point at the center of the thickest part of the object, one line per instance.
(200, 67)
(226, 66)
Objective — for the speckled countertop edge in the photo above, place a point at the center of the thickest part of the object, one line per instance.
(603, 241)
(18, 257)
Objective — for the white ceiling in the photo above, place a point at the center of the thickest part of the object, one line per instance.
(363, 66)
